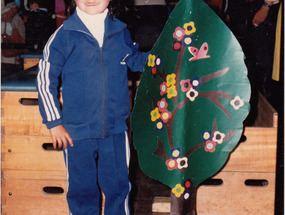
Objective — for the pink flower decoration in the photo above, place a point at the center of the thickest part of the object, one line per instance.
(171, 164)
(162, 104)
(179, 33)
(163, 88)
(210, 146)
(165, 115)
(185, 85)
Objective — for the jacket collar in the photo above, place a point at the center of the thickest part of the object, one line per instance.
(112, 26)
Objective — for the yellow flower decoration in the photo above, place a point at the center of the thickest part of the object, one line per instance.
(151, 59)
(189, 28)
(154, 114)
(178, 190)
(170, 79)
(171, 92)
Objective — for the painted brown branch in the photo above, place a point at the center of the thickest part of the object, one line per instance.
(214, 127)
(154, 104)
(182, 104)
(214, 96)
(160, 150)
(168, 125)
(162, 75)
(211, 76)
(178, 70)
(200, 145)
(229, 134)
(161, 153)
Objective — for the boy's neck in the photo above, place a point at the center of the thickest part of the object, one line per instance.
(82, 13)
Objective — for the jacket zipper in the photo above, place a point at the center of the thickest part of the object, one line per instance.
(103, 92)
(103, 84)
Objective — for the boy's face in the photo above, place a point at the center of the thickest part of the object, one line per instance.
(92, 7)
(34, 6)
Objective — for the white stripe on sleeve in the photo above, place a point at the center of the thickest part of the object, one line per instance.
(43, 79)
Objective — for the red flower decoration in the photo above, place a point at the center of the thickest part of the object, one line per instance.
(154, 70)
(171, 164)
(163, 88)
(177, 46)
(185, 85)
(210, 146)
(165, 115)
(162, 104)
(187, 184)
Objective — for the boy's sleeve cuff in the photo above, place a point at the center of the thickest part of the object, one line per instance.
(54, 123)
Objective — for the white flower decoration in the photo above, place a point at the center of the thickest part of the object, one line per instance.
(192, 94)
(218, 137)
(182, 162)
(237, 103)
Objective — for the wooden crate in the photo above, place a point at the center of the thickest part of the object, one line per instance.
(34, 197)
(20, 114)
(31, 153)
(247, 182)
(28, 161)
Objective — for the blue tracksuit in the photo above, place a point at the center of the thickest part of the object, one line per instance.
(95, 104)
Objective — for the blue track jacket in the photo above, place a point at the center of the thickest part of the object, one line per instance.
(94, 80)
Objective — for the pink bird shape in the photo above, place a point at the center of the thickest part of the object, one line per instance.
(199, 54)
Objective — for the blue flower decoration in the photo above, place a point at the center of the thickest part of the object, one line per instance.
(207, 135)
(195, 82)
(157, 61)
(186, 195)
(175, 153)
(187, 40)
(159, 125)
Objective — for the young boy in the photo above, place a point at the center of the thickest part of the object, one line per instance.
(91, 52)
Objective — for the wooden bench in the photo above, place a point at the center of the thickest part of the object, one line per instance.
(30, 60)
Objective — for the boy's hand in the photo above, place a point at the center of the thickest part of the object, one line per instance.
(60, 136)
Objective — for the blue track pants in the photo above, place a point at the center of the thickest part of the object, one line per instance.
(94, 164)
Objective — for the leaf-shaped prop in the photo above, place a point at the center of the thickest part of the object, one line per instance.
(191, 102)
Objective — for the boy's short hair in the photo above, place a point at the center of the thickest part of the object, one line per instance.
(115, 8)
(39, 2)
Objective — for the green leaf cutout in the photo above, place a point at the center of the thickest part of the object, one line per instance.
(192, 99)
